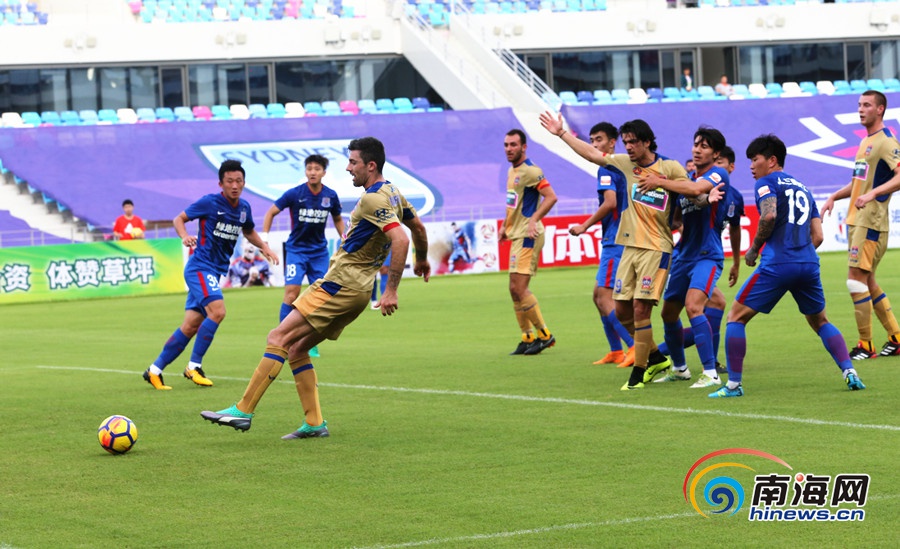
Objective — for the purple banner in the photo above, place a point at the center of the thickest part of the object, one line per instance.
(822, 133)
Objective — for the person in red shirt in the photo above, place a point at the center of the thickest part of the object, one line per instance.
(128, 226)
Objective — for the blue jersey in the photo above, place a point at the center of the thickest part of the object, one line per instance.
(732, 208)
(220, 226)
(791, 241)
(309, 213)
(701, 232)
(610, 178)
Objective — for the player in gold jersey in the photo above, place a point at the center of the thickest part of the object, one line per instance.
(644, 229)
(334, 301)
(528, 199)
(876, 174)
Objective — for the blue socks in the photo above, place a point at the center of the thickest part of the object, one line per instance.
(735, 350)
(285, 310)
(703, 340)
(834, 342)
(612, 337)
(173, 347)
(205, 335)
(674, 336)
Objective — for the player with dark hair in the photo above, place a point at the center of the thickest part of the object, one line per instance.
(697, 263)
(645, 230)
(331, 303)
(529, 198)
(306, 248)
(876, 174)
(791, 230)
(128, 226)
(222, 217)
(611, 194)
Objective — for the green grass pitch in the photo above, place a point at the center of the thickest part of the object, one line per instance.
(439, 438)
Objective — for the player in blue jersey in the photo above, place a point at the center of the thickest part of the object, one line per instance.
(612, 196)
(791, 230)
(733, 210)
(222, 218)
(306, 249)
(460, 247)
(697, 265)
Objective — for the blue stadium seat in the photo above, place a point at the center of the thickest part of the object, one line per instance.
(585, 97)
(220, 112)
(603, 97)
(184, 114)
(275, 110)
(808, 86)
(146, 114)
(403, 104)
(892, 84)
(70, 118)
(876, 84)
(842, 87)
(421, 103)
(367, 106)
(654, 95)
(165, 114)
(108, 116)
(258, 110)
(51, 117)
(313, 108)
(775, 89)
(858, 86)
(384, 105)
(568, 97)
(331, 108)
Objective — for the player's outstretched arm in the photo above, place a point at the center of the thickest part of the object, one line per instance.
(768, 211)
(556, 126)
(843, 192)
(188, 240)
(420, 247)
(399, 249)
(268, 218)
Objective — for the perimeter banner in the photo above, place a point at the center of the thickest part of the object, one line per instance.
(80, 271)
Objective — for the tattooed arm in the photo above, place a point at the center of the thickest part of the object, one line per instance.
(768, 208)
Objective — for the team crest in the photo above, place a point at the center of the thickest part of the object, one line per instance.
(868, 150)
(636, 171)
(243, 216)
(326, 202)
(646, 282)
(854, 252)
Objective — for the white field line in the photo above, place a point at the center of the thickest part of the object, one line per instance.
(553, 400)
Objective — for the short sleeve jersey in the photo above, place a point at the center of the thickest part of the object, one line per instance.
(220, 226)
(309, 214)
(734, 207)
(876, 159)
(610, 178)
(365, 245)
(790, 241)
(646, 222)
(701, 232)
(125, 226)
(523, 185)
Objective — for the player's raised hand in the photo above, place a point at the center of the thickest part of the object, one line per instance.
(553, 124)
(716, 193)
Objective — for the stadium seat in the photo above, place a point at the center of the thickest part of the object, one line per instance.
(892, 84)
(31, 118)
(239, 111)
(107, 116)
(619, 95)
(165, 114)
(876, 84)
(602, 97)
(707, 93)
(12, 120)
(183, 114)
(774, 89)
(349, 106)
(145, 114)
(791, 89)
(403, 104)
(842, 87)
(70, 118)
(51, 118)
(331, 108)
(276, 110)
(127, 115)
(384, 105)
(671, 94)
(809, 87)
(585, 97)
(637, 95)
(654, 95)
(367, 106)
(858, 86)
(88, 117)
(294, 109)
(757, 90)
(219, 112)
(825, 87)
(690, 95)
(258, 110)
(421, 103)
(742, 91)
(313, 108)
(202, 112)
(568, 97)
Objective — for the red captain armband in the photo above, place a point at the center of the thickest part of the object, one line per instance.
(390, 226)
(543, 183)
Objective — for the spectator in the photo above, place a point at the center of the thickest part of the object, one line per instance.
(128, 226)
(723, 87)
(687, 81)
(251, 269)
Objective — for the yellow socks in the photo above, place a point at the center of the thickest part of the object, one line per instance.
(265, 374)
(532, 312)
(882, 306)
(308, 389)
(862, 306)
(643, 343)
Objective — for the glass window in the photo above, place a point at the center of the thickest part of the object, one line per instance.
(25, 90)
(258, 83)
(5, 91)
(54, 90)
(886, 59)
(113, 88)
(232, 84)
(143, 87)
(202, 85)
(856, 62)
(791, 63)
(83, 88)
(172, 87)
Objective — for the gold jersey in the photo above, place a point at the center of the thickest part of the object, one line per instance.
(364, 245)
(876, 159)
(523, 185)
(645, 223)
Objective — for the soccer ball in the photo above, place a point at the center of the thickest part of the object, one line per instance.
(117, 434)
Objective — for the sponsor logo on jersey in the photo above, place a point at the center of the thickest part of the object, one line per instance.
(763, 191)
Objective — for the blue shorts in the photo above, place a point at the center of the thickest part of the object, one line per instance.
(768, 284)
(312, 266)
(701, 274)
(609, 264)
(203, 288)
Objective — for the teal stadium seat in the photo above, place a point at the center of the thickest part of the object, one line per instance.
(70, 118)
(275, 110)
(384, 105)
(619, 95)
(775, 89)
(671, 94)
(892, 84)
(842, 87)
(51, 118)
(602, 97)
(146, 114)
(165, 114)
(258, 110)
(183, 114)
(808, 86)
(220, 112)
(331, 108)
(313, 108)
(876, 84)
(708, 93)
(88, 117)
(568, 97)
(858, 86)
(741, 91)
(367, 106)
(108, 116)
(402, 105)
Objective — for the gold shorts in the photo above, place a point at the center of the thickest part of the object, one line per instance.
(524, 254)
(867, 247)
(329, 313)
(641, 275)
